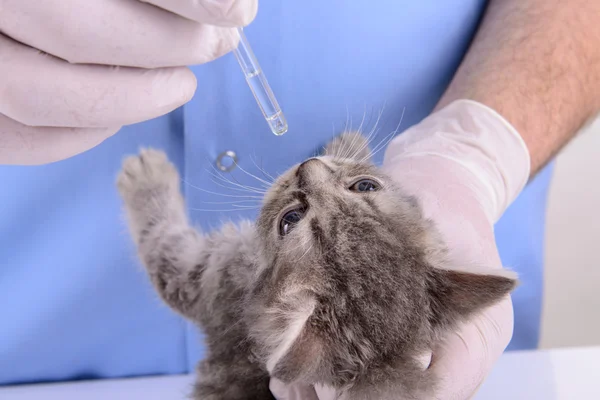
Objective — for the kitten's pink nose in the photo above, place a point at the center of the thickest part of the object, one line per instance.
(311, 171)
(305, 163)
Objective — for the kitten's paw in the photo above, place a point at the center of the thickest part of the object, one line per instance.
(149, 173)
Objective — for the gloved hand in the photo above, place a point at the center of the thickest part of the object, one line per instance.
(465, 164)
(54, 104)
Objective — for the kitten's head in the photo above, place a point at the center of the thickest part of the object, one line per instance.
(347, 281)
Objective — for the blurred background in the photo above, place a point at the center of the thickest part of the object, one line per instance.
(571, 314)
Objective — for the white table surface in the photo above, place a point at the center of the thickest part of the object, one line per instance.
(560, 374)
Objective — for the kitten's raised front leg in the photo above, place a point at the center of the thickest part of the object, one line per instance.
(201, 277)
(168, 246)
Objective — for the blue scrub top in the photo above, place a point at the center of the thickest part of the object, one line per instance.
(74, 299)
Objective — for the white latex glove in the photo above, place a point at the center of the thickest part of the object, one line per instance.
(54, 104)
(466, 164)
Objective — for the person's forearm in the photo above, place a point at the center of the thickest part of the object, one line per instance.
(537, 63)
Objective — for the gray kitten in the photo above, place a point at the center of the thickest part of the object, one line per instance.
(340, 281)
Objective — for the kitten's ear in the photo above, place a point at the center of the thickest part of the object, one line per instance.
(301, 361)
(352, 145)
(455, 295)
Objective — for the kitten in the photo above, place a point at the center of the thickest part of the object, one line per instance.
(340, 281)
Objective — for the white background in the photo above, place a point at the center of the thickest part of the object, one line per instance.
(571, 315)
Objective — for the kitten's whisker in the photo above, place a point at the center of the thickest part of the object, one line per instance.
(236, 183)
(225, 210)
(370, 137)
(384, 143)
(292, 251)
(230, 202)
(262, 181)
(351, 151)
(264, 184)
(374, 129)
(377, 147)
(364, 146)
(362, 121)
(219, 194)
(370, 118)
(333, 135)
(348, 150)
(246, 190)
(347, 147)
(351, 148)
(247, 207)
(343, 150)
(386, 140)
(306, 252)
(261, 169)
(379, 115)
(239, 185)
(326, 252)
(347, 117)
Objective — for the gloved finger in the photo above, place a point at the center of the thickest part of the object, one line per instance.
(231, 13)
(281, 391)
(486, 149)
(445, 193)
(26, 145)
(41, 90)
(114, 32)
(329, 393)
(467, 356)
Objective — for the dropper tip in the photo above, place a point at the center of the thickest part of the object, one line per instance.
(278, 124)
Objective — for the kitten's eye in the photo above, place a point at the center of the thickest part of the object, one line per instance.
(289, 220)
(365, 185)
